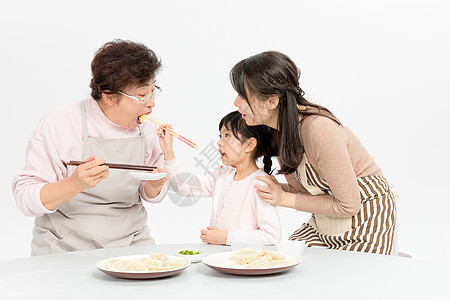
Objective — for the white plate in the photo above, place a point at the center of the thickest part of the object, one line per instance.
(191, 257)
(147, 175)
(101, 265)
(221, 262)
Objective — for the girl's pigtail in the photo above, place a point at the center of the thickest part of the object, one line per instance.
(267, 160)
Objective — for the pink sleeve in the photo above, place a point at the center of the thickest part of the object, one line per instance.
(327, 152)
(189, 184)
(43, 165)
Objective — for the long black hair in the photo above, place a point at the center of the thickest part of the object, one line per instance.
(274, 73)
(261, 133)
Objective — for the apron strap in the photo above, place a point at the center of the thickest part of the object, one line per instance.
(300, 175)
(83, 119)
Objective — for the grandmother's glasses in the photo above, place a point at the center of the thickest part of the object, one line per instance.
(144, 100)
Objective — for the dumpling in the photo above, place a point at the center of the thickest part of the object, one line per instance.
(143, 118)
(135, 265)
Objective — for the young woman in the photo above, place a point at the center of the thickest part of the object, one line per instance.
(90, 206)
(329, 172)
(237, 212)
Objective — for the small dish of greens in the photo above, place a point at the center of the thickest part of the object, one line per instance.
(194, 255)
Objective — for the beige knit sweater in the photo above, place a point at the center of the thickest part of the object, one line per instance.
(337, 155)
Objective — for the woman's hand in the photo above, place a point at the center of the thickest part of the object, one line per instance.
(153, 187)
(166, 141)
(89, 174)
(214, 235)
(273, 194)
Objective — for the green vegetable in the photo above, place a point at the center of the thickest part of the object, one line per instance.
(189, 252)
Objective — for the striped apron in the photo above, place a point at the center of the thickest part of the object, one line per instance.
(372, 230)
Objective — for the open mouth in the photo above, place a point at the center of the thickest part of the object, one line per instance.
(222, 154)
(143, 118)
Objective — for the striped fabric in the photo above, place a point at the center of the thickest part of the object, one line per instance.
(372, 229)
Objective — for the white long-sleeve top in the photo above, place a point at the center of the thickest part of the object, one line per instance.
(236, 207)
(58, 138)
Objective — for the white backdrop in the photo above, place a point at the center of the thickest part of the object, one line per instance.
(381, 66)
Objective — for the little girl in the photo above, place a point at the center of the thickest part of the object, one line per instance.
(237, 212)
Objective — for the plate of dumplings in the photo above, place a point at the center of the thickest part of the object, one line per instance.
(153, 265)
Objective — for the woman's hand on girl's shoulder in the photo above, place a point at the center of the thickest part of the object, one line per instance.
(271, 193)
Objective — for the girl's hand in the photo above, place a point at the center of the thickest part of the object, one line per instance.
(166, 141)
(214, 235)
(154, 187)
(272, 193)
(89, 174)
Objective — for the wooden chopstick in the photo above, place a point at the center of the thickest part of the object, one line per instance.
(176, 134)
(115, 166)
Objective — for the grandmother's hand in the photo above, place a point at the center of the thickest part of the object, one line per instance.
(154, 187)
(89, 174)
(273, 194)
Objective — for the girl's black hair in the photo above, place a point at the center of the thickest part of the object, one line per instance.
(263, 135)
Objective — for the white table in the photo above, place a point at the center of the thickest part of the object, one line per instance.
(323, 274)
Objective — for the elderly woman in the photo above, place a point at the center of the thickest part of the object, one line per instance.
(90, 206)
